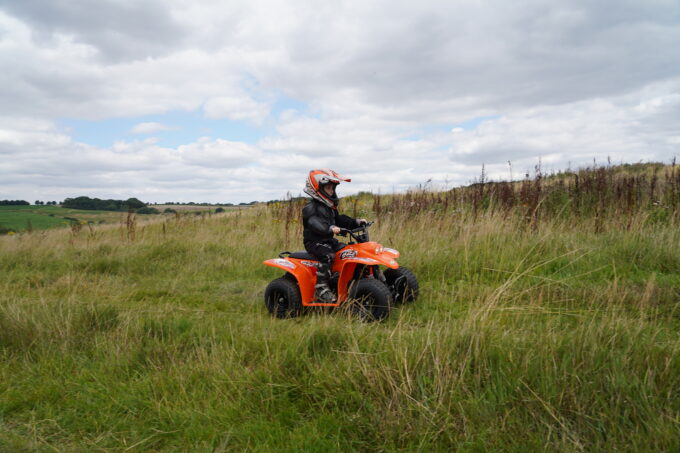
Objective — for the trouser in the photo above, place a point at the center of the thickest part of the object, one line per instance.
(325, 253)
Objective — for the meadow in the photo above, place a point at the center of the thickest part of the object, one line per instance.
(16, 219)
(548, 320)
(33, 217)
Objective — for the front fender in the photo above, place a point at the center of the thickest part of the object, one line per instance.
(375, 260)
(365, 253)
(348, 265)
(390, 251)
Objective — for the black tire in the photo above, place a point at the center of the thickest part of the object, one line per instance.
(403, 284)
(282, 298)
(371, 300)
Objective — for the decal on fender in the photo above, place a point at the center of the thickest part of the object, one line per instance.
(284, 263)
(348, 254)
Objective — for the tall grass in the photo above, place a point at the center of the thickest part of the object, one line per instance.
(548, 333)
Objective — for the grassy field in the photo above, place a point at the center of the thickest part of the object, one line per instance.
(199, 208)
(553, 333)
(23, 218)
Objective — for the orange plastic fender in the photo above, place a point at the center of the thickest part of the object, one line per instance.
(305, 275)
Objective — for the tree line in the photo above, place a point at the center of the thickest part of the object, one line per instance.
(14, 203)
(96, 204)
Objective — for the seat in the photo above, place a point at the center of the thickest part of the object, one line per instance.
(302, 255)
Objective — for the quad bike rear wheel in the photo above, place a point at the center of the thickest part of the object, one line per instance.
(403, 283)
(371, 300)
(282, 298)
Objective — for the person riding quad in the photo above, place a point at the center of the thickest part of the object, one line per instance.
(321, 220)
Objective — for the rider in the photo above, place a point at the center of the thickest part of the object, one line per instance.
(321, 221)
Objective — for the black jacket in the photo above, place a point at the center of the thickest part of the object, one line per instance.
(317, 219)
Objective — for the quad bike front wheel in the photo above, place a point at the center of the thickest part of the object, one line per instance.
(371, 300)
(282, 298)
(403, 284)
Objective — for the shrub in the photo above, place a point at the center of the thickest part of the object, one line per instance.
(147, 210)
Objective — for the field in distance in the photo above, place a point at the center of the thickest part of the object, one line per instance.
(16, 219)
(33, 217)
(193, 207)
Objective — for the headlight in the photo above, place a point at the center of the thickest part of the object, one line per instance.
(379, 249)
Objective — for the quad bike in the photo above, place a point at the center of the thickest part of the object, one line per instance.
(356, 278)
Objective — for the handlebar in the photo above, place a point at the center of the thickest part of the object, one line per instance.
(352, 232)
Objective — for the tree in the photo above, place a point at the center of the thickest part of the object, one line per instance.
(133, 203)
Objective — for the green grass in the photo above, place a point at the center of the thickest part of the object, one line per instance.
(24, 218)
(554, 338)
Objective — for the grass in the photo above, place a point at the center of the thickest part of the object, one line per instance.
(25, 218)
(559, 335)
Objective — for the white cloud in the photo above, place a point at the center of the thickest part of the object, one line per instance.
(630, 128)
(218, 153)
(236, 108)
(149, 128)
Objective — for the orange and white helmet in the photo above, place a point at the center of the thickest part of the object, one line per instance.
(317, 179)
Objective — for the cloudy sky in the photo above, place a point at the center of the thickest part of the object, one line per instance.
(233, 101)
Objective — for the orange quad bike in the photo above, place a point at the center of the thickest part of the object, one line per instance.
(357, 279)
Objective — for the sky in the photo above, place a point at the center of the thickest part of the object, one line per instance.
(229, 102)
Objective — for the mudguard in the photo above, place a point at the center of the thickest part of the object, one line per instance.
(305, 274)
(365, 254)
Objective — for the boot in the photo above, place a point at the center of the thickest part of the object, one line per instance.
(323, 292)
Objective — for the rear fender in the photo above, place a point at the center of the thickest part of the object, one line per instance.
(302, 270)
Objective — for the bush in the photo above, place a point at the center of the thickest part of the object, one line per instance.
(147, 210)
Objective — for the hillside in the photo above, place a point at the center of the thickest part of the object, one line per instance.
(541, 326)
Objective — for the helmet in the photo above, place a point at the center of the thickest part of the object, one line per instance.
(317, 179)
